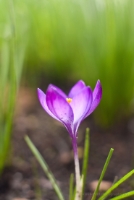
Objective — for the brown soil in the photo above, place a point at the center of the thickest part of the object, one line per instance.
(24, 179)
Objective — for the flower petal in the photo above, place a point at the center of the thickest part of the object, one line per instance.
(76, 88)
(58, 91)
(42, 99)
(81, 103)
(60, 107)
(97, 95)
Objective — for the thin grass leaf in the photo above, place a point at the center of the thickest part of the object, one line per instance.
(85, 160)
(38, 192)
(71, 187)
(124, 178)
(4, 70)
(123, 196)
(115, 180)
(74, 193)
(8, 89)
(4, 66)
(103, 173)
(44, 167)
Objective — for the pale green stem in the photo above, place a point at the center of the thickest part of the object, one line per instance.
(77, 169)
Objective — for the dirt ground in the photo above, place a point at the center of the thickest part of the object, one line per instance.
(25, 180)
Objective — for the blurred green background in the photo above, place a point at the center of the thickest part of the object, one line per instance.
(62, 41)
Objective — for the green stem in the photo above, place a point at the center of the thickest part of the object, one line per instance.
(77, 169)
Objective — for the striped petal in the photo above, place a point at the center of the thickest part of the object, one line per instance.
(80, 104)
(60, 108)
(97, 95)
(76, 88)
(42, 99)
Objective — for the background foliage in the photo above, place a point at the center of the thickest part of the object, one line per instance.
(63, 41)
(89, 40)
(12, 53)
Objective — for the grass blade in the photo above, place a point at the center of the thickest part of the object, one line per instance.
(103, 173)
(124, 178)
(44, 167)
(85, 160)
(123, 196)
(71, 187)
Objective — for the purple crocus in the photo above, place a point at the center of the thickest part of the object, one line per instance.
(73, 108)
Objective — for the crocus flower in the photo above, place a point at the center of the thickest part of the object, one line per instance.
(73, 108)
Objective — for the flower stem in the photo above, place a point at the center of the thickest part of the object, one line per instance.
(77, 170)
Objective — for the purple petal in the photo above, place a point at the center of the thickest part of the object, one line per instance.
(76, 88)
(80, 104)
(42, 99)
(97, 95)
(58, 90)
(60, 107)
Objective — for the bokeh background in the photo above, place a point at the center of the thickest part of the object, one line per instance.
(61, 42)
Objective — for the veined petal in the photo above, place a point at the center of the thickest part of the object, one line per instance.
(60, 107)
(97, 95)
(88, 99)
(81, 103)
(76, 88)
(42, 99)
(58, 90)
(71, 109)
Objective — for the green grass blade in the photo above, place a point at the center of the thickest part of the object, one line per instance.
(74, 193)
(71, 187)
(124, 178)
(85, 159)
(44, 167)
(123, 196)
(103, 173)
(4, 65)
(8, 90)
